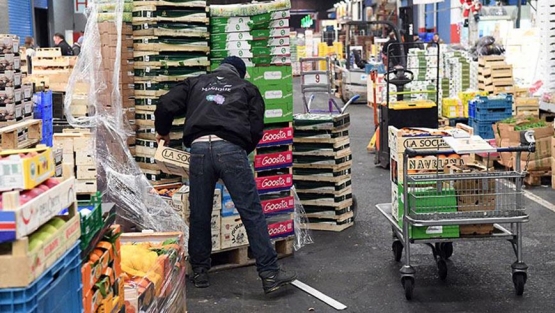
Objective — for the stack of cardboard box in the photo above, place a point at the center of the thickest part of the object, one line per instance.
(11, 97)
(170, 45)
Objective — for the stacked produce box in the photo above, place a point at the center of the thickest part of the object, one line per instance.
(495, 75)
(423, 140)
(259, 34)
(456, 68)
(154, 270)
(40, 239)
(546, 23)
(11, 98)
(79, 159)
(170, 44)
(322, 170)
(103, 279)
(485, 111)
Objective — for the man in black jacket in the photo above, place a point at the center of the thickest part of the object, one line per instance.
(60, 42)
(224, 117)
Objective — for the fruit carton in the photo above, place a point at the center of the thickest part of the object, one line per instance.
(274, 183)
(281, 229)
(92, 300)
(28, 258)
(23, 213)
(278, 206)
(172, 161)
(26, 169)
(273, 160)
(276, 137)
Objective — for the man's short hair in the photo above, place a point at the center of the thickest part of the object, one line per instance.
(60, 36)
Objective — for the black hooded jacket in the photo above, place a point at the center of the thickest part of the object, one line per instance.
(219, 103)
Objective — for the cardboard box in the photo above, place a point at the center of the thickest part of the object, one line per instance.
(271, 75)
(258, 19)
(281, 229)
(172, 161)
(273, 160)
(26, 173)
(278, 113)
(21, 266)
(233, 232)
(86, 186)
(228, 207)
(180, 200)
(275, 94)
(279, 205)
(216, 241)
(275, 32)
(276, 137)
(274, 183)
(22, 220)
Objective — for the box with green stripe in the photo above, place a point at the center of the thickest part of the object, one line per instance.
(259, 19)
(271, 75)
(144, 59)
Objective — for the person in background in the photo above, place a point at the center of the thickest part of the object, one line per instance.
(81, 36)
(30, 52)
(224, 122)
(392, 58)
(435, 41)
(417, 43)
(76, 48)
(60, 42)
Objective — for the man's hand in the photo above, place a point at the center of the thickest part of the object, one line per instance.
(166, 139)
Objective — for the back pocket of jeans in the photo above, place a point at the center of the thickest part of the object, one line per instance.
(196, 166)
(232, 161)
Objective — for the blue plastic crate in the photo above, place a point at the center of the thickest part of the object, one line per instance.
(483, 129)
(494, 102)
(43, 105)
(59, 289)
(498, 114)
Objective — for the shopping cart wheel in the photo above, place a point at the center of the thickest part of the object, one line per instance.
(397, 248)
(354, 207)
(519, 280)
(442, 269)
(447, 249)
(408, 284)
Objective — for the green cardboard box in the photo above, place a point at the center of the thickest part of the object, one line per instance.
(278, 113)
(229, 28)
(219, 54)
(239, 36)
(276, 94)
(231, 45)
(270, 33)
(428, 197)
(271, 75)
(259, 19)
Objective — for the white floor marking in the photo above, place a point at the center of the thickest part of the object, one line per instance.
(318, 295)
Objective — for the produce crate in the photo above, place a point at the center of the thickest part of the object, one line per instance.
(27, 172)
(92, 223)
(492, 114)
(56, 290)
(28, 258)
(22, 220)
(484, 129)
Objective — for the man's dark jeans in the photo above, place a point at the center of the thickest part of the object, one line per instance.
(222, 159)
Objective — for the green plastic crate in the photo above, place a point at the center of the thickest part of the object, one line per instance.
(448, 203)
(90, 224)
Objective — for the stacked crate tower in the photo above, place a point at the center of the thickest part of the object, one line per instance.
(170, 45)
(495, 75)
(260, 36)
(322, 170)
(488, 110)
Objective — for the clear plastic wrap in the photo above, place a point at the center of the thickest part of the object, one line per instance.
(302, 234)
(154, 271)
(120, 178)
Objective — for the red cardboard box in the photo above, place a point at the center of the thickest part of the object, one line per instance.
(273, 160)
(274, 183)
(278, 206)
(277, 136)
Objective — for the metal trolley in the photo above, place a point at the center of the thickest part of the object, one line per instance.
(455, 203)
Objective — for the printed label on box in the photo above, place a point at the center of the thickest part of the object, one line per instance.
(281, 229)
(273, 136)
(274, 183)
(278, 206)
(273, 160)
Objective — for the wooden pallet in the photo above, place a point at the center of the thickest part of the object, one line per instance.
(535, 178)
(10, 135)
(323, 187)
(329, 226)
(239, 256)
(48, 52)
(341, 147)
(321, 121)
(160, 47)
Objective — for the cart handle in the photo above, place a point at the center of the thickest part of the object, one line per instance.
(411, 153)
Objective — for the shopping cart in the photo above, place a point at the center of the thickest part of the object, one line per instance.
(458, 204)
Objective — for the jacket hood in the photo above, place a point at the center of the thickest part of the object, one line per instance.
(227, 68)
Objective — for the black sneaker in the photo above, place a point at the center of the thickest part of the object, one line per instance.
(273, 280)
(200, 278)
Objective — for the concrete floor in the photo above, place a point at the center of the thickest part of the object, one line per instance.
(356, 266)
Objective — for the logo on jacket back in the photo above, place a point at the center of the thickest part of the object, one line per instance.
(218, 99)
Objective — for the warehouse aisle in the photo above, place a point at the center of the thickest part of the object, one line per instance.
(356, 266)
